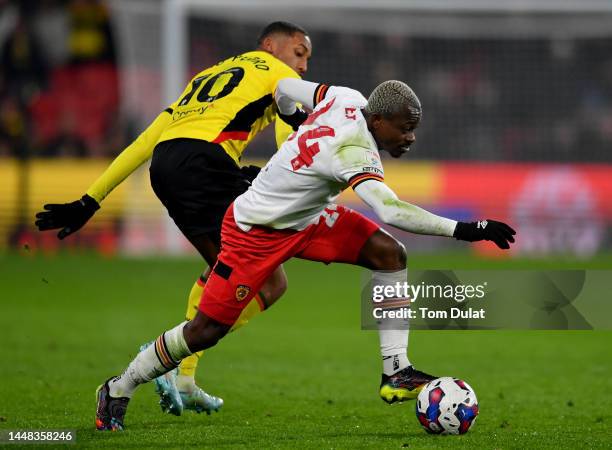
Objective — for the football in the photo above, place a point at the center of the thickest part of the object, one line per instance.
(447, 406)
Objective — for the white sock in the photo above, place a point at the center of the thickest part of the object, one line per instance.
(160, 357)
(393, 333)
(394, 363)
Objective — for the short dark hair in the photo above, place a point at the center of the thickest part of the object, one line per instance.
(286, 28)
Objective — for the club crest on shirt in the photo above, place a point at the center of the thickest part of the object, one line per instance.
(242, 291)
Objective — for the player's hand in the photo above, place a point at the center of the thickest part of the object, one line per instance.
(70, 217)
(296, 119)
(485, 230)
(250, 172)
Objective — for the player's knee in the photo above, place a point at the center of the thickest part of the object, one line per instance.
(388, 254)
(203, 332)
(278, 288)
(204, 338)
(274, 288)
(394, 256)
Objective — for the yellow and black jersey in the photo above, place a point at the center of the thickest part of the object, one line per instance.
(228, 104)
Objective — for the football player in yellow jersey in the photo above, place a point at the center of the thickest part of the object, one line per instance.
(195, 146)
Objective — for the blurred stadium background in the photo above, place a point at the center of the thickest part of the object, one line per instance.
(517, 102)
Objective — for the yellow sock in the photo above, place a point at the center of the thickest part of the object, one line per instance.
(255, 306)
(189, 365)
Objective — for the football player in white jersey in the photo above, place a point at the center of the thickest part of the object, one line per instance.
(289, 211)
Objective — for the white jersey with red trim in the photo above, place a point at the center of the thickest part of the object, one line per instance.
(332, 149)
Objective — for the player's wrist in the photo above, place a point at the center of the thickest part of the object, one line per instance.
(250, 172)
(466, 231)
(90, 203)
(296, 119)
(490, 230)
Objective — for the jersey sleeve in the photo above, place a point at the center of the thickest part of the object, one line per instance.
(353, 165)
(405, 216)
(324, 91)
(130, 159)
(290, 91)
(280, 71)
(309, 94)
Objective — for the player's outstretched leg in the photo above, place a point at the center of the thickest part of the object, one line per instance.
(192, 397)
(165, 387)
(181, 382)
(387, 258)
(157, 359)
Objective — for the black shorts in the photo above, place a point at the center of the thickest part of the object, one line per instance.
(196, 181)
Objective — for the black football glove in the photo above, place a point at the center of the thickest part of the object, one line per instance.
(296, 119)
(250, 172)
(70, 217)
(485, 230)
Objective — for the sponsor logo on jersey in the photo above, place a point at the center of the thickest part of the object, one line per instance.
(375, 170)
(182, 114)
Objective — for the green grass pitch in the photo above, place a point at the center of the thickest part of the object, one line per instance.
(302, 375)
